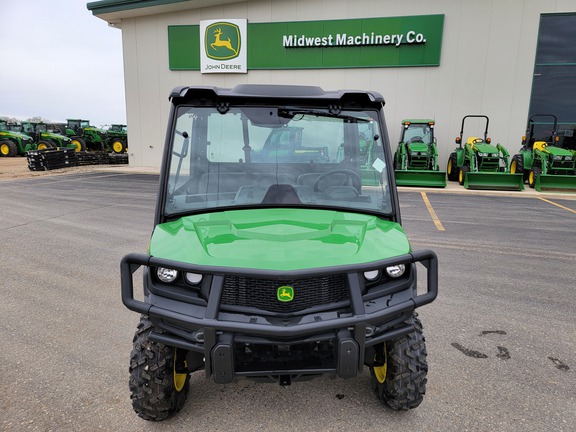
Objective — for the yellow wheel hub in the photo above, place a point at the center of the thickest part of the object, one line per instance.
(380, 371)
(179, 378)
(4, 149)
(117, 146)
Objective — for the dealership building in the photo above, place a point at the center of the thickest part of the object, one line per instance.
(436, 59)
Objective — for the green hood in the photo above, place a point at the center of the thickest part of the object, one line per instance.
(482, 147)
(278, 239)
(16, 135)
(557, 151)
(418, 147)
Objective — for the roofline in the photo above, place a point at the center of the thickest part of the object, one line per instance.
(113, 11)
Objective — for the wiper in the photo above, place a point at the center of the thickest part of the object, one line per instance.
(292, 112)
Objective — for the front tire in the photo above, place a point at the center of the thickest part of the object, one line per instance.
(78, 143)
(462, 174)
(400, 382)
(44, 145)
(118, 146)
(8, 148)
(533, 175)
(452, 168)
(517, 167)
(159, 380)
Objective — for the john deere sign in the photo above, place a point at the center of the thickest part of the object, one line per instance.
(370, 42)
(222, 46)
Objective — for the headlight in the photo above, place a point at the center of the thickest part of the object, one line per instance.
(557, 158)
(568, 158)
(372, 275)
(396, 271)
(166, 275)
(483, 154)
(193, 278)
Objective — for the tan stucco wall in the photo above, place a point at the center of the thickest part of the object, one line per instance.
(486, 66)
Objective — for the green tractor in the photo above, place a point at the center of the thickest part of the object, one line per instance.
(45, 137)
(416, 157)
(13, 143)
(118, 138)
(478, 164)
(542, 163)
(85, 136)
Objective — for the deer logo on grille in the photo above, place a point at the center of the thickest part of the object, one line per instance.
(285, 293)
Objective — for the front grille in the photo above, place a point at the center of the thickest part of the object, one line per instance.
(262, 293)
(562, 164)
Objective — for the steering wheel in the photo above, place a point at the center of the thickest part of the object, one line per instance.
(348, 176)
(416, 139)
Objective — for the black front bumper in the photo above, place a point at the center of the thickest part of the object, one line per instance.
(212, 332)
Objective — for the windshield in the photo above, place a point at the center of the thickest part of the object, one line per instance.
(418, 133)
(263, 157)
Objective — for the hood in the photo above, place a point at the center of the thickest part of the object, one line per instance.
(418, 147)
(278, 239)
(55, 136)
(16, 134)
(483, 147)
(557, 151)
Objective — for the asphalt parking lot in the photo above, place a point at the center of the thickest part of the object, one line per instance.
(501, 336)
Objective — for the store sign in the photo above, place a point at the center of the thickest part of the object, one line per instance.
(354, 43)
(223, 46)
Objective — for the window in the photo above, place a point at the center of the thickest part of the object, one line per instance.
(554, 82)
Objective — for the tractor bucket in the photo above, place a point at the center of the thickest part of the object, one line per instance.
(420, 178)
(555, 183)
(494, 181)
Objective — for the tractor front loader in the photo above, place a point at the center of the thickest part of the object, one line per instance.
(542, 163)
(478, 164)
(416, 157)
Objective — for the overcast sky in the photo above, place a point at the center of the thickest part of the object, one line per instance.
(59, 61)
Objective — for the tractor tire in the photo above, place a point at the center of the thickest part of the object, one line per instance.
(44, 145)
(159, 382)
(118, 146)
(517, 167)
(401, 382)
(78, 143)
(533, 175)
(8, 148)
(452, 168)
(462, 174)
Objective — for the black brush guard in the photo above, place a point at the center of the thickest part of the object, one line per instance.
(213, 333)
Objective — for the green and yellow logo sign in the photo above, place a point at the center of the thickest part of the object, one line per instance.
(222, 41)
(285, 293)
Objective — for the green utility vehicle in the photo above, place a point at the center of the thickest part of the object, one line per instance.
(13, 143)
(275, 270)
(85, 136)
(479, 164)
(543, 164)
(118, 138)
(45, 137)
(416, 157)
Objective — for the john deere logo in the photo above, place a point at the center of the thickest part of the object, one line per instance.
(285, 293)
(222, 41)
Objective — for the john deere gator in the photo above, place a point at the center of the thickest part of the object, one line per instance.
(542, 162)
(478, 164)
(416, 157)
